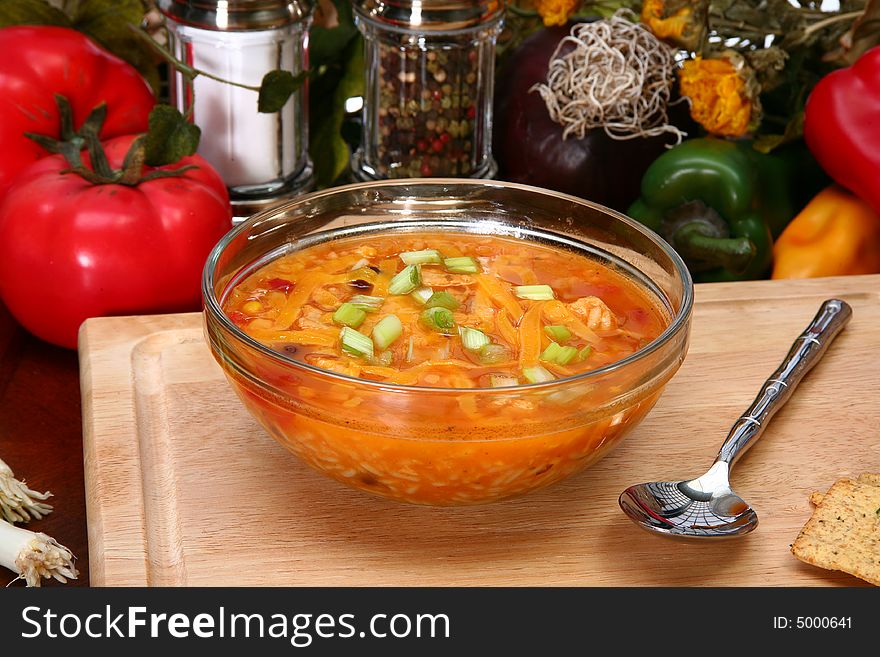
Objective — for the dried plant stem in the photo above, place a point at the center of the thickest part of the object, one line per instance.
(614, 75)
(831, 20)
(757, 31)
(18, 503)
(188, 71)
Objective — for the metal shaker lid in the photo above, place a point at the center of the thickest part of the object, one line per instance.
(236, 15)
(430, 15)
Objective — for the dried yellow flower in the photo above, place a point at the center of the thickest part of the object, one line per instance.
(556, 12)
(722, 96)
(680, 23)
(663, 28)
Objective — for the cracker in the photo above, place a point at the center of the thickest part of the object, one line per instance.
(816, 498)
(872, 478)
(844, 531)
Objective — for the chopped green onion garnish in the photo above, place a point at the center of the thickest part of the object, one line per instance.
(550, 353)
(422, 295)
(566, 355)
(537, 374)
(555, 353)
(356, 343)
(443, 300)
(472, 339)
(407, 280)
(365, 303)
(502, 381)
(385, 358)
(534, 292)
(584, 353)
(491, 354)
(438, 319)
(349, 315)
(386, 331)
(426, 257)
(465, 265)
(558, 333)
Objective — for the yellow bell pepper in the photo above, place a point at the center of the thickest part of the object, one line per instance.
(836, 234)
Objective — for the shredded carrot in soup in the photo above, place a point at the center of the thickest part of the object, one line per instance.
(445, 310)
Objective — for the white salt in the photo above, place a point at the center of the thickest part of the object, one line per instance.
(253, 152)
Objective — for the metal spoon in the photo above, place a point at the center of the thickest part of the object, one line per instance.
(706, 507)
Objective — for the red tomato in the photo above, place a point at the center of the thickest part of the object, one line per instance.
(39, 62)
(70, 250)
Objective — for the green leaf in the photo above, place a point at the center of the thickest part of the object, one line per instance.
(326, 45)
(328, 149)
(107, 21)
(276, 88)
(31, 12)
(170, 137)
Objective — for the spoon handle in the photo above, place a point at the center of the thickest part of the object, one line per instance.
(803, 355)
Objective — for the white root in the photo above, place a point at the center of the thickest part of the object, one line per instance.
(34, 556)
(18, 503)
(616, 75)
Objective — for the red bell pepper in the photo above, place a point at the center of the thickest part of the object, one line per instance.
(842, 126)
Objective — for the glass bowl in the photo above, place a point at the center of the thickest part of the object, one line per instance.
(435, 445)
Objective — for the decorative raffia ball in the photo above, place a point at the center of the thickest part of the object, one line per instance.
(612, 74)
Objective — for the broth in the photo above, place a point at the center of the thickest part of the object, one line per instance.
(449, 310)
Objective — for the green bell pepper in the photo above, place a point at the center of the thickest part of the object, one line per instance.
(720, 203)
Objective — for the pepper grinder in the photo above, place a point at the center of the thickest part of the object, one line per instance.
(430, 67)
(263, 158)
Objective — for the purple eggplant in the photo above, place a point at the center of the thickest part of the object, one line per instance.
(529, 146)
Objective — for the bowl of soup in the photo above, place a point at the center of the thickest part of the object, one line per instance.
(446, 342)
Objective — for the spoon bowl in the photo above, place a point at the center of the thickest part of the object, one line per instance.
(707, 507)
(701, 508)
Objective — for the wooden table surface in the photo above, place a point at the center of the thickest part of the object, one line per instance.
(41, 433)
(162, 426)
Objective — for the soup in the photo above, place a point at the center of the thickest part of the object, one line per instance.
(445, 310)
(440, 363)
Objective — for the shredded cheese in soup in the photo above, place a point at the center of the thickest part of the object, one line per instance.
(451, 310)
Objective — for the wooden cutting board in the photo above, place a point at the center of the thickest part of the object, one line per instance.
(184, 488)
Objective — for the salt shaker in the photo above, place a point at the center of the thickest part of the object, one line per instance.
(263, 158)
(429, 85)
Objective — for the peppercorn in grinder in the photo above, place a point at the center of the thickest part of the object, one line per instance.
(429, 70)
